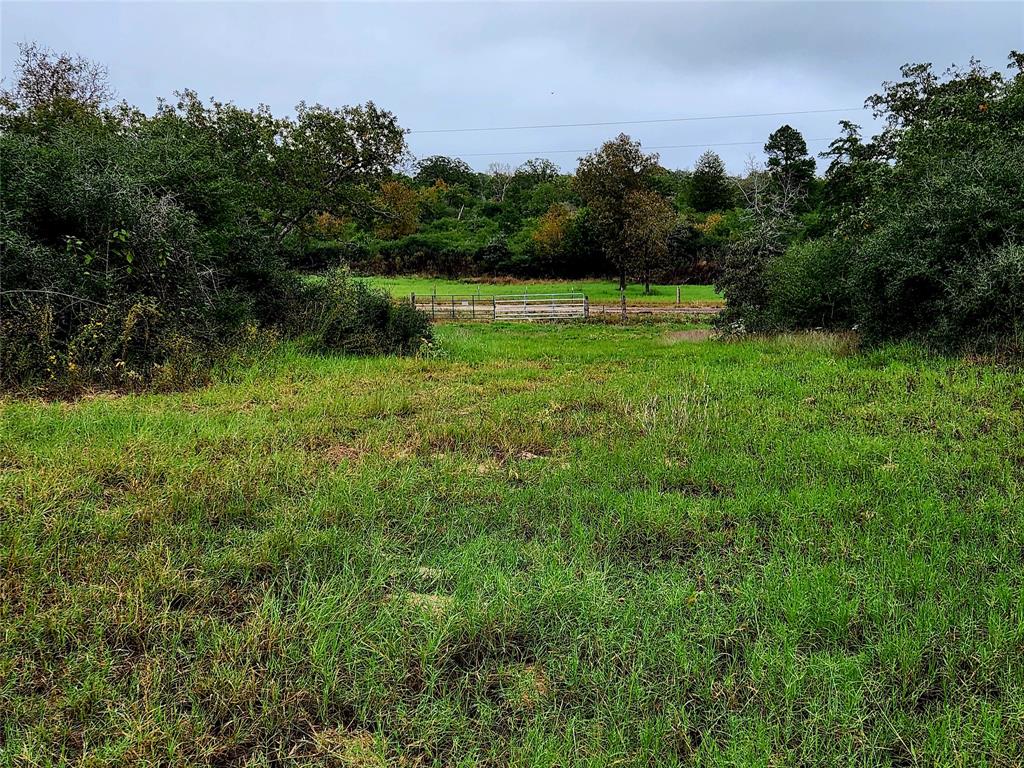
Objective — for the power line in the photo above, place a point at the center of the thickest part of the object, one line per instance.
(638, 122)
(541, 152)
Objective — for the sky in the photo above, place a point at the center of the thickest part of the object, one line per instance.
(494, 65)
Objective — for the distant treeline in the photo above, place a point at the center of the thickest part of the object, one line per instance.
(530, 221)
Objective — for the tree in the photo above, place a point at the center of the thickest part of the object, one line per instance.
(536, 171)
(451, 170)
(49, 81)
(771, 204)
(605, 180)
(328, 155)
(645, 235)
(788, 159)
(939, 254)
(499, 178)
(397, 210)
(852, 172)
(710, 188)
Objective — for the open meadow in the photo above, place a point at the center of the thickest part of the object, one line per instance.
(533, 546)
(598, 291)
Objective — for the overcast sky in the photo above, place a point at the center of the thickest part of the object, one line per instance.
(462, 65)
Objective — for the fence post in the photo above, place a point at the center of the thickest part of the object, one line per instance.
(453, 306)
(586, 308)
(472, 305)
(433, 305)
(412, 299)
(494, 307)
(622, 299)
(677, 295)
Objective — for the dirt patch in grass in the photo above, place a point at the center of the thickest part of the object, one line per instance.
(340, 453)
(694, 334)
(436, 606)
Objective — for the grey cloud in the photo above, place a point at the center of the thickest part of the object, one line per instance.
(453, 65)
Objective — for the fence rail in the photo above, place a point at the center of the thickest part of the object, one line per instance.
(572, 305)
(519, 306)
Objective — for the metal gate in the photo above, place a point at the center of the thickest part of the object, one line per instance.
(520, 306)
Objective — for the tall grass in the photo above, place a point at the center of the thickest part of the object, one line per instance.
(593, 545)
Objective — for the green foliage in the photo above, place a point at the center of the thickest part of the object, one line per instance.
(809, 286)
(340, 314)
(925, 221)
(645, 234)
(451, 171)
(614, 182)
(788, 161)
(743, 279)
(950, 210)
(128, 238)
(710, 188)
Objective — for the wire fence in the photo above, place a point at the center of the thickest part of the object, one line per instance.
(572, 305)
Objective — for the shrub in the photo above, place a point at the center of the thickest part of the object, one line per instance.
(744, 281)
(341, 314)
(986, 301)
(808, 286)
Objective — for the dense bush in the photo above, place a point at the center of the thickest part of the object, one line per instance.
(137, 247)
(985, 301)
(927, 223)
(340, 314)
(808, 286)
(943, 228)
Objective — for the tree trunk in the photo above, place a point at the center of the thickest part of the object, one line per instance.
(622, 279)
(647, 286)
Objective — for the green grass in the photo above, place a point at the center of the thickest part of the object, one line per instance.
(599, 291)
(573, 546)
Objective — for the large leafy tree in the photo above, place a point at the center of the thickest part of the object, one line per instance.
(647, 227)
(608, 180)
(710, 188)
(941, 252)
(123, 231)
(451, 170)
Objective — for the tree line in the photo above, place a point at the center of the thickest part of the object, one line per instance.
(620, 214)
(136, 247)
(135, 244)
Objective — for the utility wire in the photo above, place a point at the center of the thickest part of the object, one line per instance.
(539, 153)
(638, 122)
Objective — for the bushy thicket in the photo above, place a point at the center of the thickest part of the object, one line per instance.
(925, 223)
(138, 247)
(340, 314)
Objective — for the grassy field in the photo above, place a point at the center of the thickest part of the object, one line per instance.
(599, 291)
(538, 546)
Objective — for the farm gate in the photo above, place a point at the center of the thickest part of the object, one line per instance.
(526, 306)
